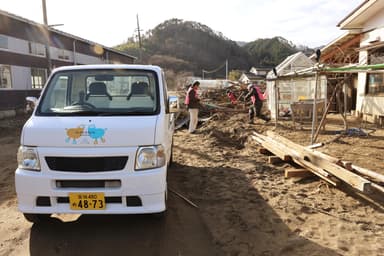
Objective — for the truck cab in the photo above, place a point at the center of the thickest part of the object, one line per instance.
(99, 141)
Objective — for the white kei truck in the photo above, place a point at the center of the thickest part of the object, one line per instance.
(99, 141)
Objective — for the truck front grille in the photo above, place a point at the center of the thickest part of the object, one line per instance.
(108, 200)
(88, 184)
(86, 164)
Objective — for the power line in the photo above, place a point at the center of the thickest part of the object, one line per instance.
(217, 69)
(214, 70)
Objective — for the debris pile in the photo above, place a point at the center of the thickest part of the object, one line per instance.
(215, 100)
(331, 169)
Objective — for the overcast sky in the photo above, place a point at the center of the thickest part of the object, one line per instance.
(307, 22)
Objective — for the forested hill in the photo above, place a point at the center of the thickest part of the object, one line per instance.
(191, 46)
(269, 52)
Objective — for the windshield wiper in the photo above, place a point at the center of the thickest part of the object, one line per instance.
(75, 113)
(125, 113)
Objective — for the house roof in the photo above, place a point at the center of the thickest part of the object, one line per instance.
(341, 51)
(33, 23)
(261, 68)
(251, 76)
(293, 62)
(345, 49)
(360, 15)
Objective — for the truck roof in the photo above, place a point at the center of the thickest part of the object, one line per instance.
(108, 66)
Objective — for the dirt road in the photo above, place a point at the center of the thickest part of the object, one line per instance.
(181, 232)
(245, 205)
(110, 235)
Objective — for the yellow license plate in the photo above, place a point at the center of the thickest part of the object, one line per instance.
(87, 201)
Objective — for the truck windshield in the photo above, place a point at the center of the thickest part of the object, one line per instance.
(100, 92)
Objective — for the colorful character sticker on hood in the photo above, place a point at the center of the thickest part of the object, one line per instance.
(96, 133)
(82, 135)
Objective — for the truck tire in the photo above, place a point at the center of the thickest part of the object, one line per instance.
(36, 218)
(161, 215)
(171, 157)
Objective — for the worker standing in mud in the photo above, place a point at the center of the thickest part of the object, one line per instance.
(231, 97)
(193, 103)
(257, 98)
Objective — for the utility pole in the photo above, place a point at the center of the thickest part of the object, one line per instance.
(139, 36)
(47, 39)
(138, 29)
(226, 69)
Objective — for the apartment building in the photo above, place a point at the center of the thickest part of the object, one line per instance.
(29, 50)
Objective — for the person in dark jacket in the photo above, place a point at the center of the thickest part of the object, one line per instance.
(193, 103)
(257, 98)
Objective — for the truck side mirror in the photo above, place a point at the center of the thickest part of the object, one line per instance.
(31, 103)
(173, 102)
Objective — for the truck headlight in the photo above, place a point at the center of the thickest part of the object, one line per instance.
(149, 157)
(27, 158)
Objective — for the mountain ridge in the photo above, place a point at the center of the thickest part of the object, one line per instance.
(189, 46)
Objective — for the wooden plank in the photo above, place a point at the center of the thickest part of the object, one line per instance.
(317, 171)
(341, 48)
(304, 150)
(349, 177)
(297, 172)
(329, 158)
(183, 197)
(271, 145)
(368, 173)
(317, 145)
(264, 151)
(274, 160)
(378, 187)
(272, 148)
(347, 165)
(325, 162)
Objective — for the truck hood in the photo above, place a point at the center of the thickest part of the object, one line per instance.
(116, 131)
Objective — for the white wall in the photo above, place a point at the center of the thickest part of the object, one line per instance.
(18, 45)
(22, 46)
(55, 52)
(21, 78)
(375, 22)
(82, 58)
(371, 105)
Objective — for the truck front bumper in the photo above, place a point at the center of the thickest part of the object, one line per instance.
(125, 192)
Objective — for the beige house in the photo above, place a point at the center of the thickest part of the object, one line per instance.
(365, 25)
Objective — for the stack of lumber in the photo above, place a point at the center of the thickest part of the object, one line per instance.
(329, 168)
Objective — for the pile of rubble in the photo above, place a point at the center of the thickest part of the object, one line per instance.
(215, 100)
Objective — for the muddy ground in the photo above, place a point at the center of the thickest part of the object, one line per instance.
(245, 206)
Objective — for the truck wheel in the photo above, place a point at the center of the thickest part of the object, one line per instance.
(161, 215)
(171, 158)
(36, 218)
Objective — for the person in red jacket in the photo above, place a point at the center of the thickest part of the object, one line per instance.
(231, 97)
(193, 103)
(257, 98)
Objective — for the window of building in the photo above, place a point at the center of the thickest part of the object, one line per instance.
(36, 49)
(38, 77)
(5, 77)
(3, 42)
(375, 81)
(63, 54)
